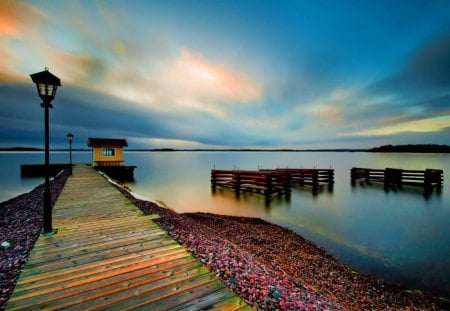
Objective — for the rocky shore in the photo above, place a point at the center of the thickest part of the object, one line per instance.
(272, 268)
(20, 226)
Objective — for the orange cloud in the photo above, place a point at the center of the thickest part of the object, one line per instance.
(17, 18)
(326, 115)
(189, 82)
(209, 81)
(75, 68)
(327, 111)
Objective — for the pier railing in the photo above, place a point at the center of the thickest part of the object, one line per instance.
(427, 179)
(267, 182)
(309, 176)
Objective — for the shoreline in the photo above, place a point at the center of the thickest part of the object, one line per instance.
(269, 266)
(285, 254)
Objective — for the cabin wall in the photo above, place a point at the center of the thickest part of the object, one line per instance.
(98, 155)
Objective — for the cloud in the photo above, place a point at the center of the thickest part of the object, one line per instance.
(204, 79)
(414, 99)
(172, 143)
(18, 18)
(75, 68)
(189, 83)
(416, 126)
(19, 22)
(426, 71)
(328, 112)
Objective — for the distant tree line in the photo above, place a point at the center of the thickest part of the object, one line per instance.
(431, 148)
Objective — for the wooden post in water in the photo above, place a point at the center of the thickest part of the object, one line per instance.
(268, 190)
(213, 180)
(330, 180)
(432, 177)
(237, 183)
(287, 183)
(315, 181)
(392, 176)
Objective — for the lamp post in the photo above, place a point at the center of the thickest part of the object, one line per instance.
(46, 84)
(70, 139)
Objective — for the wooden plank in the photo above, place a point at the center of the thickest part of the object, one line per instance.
(107, 254)
(165, 262)
(102, 283)
(199, 299)
(133, 293)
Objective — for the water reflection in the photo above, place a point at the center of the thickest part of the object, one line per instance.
(427, 193)
(399, 234)
(269, 200)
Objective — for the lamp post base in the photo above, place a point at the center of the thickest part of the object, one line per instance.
(49, 233)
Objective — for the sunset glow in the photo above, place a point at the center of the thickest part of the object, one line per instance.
(236, 74)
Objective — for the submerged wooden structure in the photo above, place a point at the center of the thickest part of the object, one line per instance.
(108, 255)
(263, 181)
(428, 179)
(270, 182)
(309, 176)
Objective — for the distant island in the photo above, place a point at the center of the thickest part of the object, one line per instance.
(428, 148)
(419, 148)
(21, 149)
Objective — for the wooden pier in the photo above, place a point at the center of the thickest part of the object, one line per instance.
(309, 176)
(270, 182)
(263, 181)
(427, 179)
(108, 255)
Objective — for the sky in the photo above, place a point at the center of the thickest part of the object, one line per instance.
(228, 74)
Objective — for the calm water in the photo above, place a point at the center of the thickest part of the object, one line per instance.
(399, 235)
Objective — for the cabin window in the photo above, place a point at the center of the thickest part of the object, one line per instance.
(108, 152)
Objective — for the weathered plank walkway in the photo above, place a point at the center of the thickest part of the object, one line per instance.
(108, 255)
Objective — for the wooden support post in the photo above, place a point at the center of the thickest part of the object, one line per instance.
(213, 180)
(287, 183)
(315, 180)
(392, 176)
(432, 177)
(367, 175)
(268, 190)
(302, 179)
(330, 180)
(237, 184)
(353, 176)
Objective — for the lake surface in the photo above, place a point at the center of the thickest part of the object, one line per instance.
(400, 235)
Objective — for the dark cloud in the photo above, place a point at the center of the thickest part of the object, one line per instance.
(91, 114)
(426, 71)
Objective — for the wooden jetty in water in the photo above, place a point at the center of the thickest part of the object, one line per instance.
(265, 181)
(269, 182)
(108, 255)
(427, 179)
(309, 176)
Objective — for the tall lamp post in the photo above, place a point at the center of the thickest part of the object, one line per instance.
(46, 84)
(70, 139)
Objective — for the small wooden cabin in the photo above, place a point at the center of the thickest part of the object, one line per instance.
(107, 151)
(107, 156)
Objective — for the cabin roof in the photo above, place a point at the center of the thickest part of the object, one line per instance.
(106, 142)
